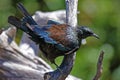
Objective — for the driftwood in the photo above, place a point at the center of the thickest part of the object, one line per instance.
(15, 64)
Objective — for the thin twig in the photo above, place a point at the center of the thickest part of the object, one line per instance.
(99, 66)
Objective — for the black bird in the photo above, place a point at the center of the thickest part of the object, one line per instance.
(54, 39)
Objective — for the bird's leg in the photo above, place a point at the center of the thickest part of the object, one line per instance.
(57, 66)
(74, 50)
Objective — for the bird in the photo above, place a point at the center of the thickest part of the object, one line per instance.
(54, 39)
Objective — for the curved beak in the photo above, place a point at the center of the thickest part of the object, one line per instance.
(95, 35)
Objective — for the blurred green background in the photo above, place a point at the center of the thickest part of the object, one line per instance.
(103, 16)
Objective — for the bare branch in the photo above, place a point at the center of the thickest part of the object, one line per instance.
(68, 61)
(71, 12)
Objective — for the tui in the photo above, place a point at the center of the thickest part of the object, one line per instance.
(54, 39)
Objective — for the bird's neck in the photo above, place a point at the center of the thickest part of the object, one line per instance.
(79, 35)
(72, 37)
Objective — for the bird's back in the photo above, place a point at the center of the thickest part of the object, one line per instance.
(58, 33)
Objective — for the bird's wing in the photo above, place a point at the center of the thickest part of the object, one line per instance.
(58, 33)
(35, 32)
(28, 25)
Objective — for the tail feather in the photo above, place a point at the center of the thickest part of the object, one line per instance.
(24, 27)
(20, 24)
(27, 16)
(14, 21)
(22, 9)
(28, 25)
(17, 23)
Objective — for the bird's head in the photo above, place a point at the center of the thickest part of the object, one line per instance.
(84, 32)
